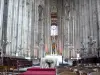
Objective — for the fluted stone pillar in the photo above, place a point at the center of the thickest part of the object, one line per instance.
(19, 28)
(4, 26)
(47, 25)
(41, 27)
(37, 43)
(36, 47)
(98, 27)
(32, 29)
(1, 19)
(60, 25)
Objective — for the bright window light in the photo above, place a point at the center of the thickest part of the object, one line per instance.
(54, 30)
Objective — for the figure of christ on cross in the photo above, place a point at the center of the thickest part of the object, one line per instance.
(53, 48)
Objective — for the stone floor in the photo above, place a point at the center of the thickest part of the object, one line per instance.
(60, 71)
(64, 71)
(78, 71)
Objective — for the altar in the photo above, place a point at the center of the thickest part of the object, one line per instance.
(55, 59)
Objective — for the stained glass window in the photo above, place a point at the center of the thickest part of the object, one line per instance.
(54, 30)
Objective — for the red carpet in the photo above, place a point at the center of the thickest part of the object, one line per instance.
(40, 71)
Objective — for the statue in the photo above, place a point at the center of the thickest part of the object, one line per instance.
(40, 9)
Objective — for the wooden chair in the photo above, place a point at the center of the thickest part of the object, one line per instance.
(1, 70)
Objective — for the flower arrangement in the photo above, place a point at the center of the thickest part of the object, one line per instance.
(49, 62)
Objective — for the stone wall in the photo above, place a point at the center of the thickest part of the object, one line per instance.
(81, 21)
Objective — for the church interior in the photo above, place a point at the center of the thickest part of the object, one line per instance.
(49, 37)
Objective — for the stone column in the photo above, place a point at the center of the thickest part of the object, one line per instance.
(1, 19)
(4, 26)
(98, 28)
(18, 27)
(47, 24)
(60, 25)
(41, 28)
(32, 29)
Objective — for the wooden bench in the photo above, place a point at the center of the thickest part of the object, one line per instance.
(5, 69)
